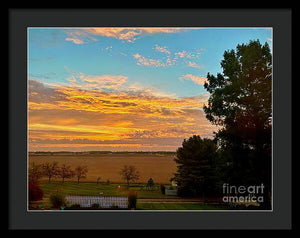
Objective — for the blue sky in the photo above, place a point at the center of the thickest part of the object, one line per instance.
(52, 57)
(124, 89)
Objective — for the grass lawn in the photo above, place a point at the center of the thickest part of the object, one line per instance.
(179, 206)
(94, 189)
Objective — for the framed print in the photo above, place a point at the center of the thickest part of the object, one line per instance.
(138, 119)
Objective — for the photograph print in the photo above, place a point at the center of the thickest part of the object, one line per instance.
(149, 119)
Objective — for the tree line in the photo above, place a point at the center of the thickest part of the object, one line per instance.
(53, 170)
(129, 173)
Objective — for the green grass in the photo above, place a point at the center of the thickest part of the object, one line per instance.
(179, 206)
(93, 189)
(88, 189)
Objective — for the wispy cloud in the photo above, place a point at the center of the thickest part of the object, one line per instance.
(200, 80)
(103, 81)
(79, 36)
(98, 82)
(194, 65)
(141, 60)
(188, 55)
(74, 40)
(169, 59)
(162, 49)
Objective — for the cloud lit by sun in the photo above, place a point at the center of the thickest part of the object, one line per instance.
(122, 89)
(67, 116)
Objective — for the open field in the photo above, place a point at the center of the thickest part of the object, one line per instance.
(160, 166)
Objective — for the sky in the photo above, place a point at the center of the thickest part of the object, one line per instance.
(123, 89)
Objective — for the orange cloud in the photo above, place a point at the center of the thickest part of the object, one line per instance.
(128, 34)
(65, 114)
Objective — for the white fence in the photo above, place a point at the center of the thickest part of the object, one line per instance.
(104, 202)
(172, 192)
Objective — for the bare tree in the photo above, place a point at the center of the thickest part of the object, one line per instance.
(35, 172)
(80, 172)
(129, 173)
(51, 170)
(65, 171)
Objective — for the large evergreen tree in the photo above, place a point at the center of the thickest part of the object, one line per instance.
(196, 170)
(241, 103)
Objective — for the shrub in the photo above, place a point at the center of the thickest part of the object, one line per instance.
(75, 206)
(162, 188)
(171, 188)
(132, 198)
(114, 206)
(108, 182)
(57, 199)
(95, 205)
(35, 193)
(185, 191)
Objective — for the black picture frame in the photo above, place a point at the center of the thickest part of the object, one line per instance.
(278, 19)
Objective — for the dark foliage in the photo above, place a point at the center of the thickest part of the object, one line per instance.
(95, 205)
(162, 188)
(241, 103)
(74, 206)
(132, 199)
(57, 199)
(196, 170)
(34, 192)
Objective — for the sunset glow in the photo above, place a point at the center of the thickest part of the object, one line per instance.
(122, 89)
